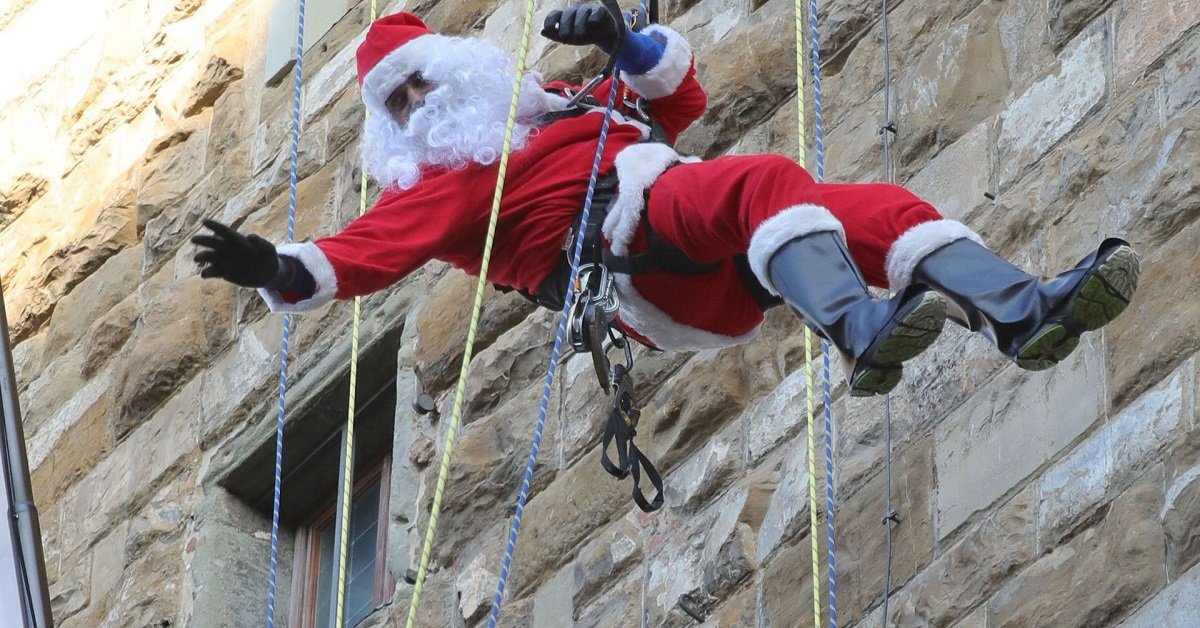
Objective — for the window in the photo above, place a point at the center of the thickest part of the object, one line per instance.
(368, 583)
(319, 17)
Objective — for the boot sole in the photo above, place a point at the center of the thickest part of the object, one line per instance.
(1100, 299)
(879, 370)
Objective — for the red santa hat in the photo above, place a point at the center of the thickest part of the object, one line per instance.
(395, 47)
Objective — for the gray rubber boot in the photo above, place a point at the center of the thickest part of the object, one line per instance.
(816, 276)
(1034, 321)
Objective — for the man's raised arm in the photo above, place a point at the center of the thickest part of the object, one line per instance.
(656, 63)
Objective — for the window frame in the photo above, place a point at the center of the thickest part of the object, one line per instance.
(307, 555)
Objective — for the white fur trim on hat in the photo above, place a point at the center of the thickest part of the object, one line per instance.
(917, 243)
(638, 167)
(778, 230)
(317, 265)
(392, 70)
(666, 76)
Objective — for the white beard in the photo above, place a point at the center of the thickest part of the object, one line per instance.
(461, 122)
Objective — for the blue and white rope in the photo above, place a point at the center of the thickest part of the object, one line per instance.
(293, 167)
(819, 133)
(523, 496)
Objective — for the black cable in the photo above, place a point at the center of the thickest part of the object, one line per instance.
(890, 516)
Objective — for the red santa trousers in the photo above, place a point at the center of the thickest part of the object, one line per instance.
(752, 205)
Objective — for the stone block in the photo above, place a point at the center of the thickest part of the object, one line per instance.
(936, 383)
(47, 403)
(785, 597)
(1155, 333)
(1176, 606)
(556, 600)
(476, 583)
(1052, 107)
(1181, 521)
(605, 558)
(69, 593)
(1145, 29)
(106, 336)
(441, 326)
(706, 472)
(616, 609)
(1017, 423)
(1027, 51)
(459, 16)
(108, 562)
(702, 559)
(972, 569)
(1112, 456)
(330, 81)
(1096, 576)
(953, 86)
(779, 415)
(787, 512)
(741, 609)
(697, 402)
(1159, 193)
(956, 179)
(514, 362)
(164, 354)
(560, 517)
(218, 75)
(345, 122)
(744, 79)
(1181, 78)
(1068, 18)
(236, 382)
(170, 175)
(490, 459)
(83, 443)
(860, 536)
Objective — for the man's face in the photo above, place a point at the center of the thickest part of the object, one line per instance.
(408, 97)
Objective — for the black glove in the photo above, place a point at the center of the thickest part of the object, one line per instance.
(248, 261)
(582, 25)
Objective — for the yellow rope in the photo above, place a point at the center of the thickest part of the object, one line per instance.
(347, 493)
(808, 341)
(456, 413)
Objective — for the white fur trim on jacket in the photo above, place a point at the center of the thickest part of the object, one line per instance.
(318, 266)
(778, 230)
(666, 76)
(638, 167)
(395, 68)
(917, 243)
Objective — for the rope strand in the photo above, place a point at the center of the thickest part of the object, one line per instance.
(801, 114)
(293, 168)
(819, 140)
(347, 495)
(889, 516)
(456, 413)
(523, 496)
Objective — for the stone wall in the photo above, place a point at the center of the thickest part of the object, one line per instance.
(1065, 498)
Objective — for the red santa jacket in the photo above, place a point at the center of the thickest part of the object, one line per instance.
(445, 216)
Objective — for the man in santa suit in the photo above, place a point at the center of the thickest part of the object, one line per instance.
(437, 110)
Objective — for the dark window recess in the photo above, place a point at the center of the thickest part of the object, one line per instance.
(368, 584)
